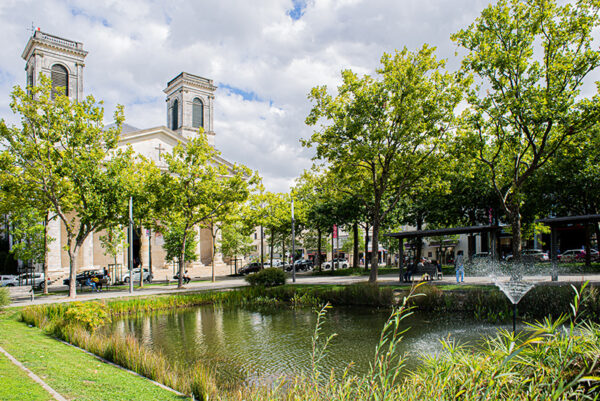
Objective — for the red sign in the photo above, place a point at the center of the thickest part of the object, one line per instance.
(335, 231)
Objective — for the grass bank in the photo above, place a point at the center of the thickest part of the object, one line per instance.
(72, 373)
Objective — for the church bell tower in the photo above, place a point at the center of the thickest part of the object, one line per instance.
(190, 105)
(62, 60)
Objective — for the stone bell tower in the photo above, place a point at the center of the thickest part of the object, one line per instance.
(62, 60)
(190, 105)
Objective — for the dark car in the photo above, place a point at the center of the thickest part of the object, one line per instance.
(301, 265)
(250, 268)
(81, 278)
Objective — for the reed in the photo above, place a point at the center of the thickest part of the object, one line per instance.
(4, 297)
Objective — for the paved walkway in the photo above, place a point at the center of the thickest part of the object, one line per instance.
(225, 282)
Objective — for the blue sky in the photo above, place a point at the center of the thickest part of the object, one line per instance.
(264, 57)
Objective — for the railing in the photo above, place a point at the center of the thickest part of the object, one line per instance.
(55, 39)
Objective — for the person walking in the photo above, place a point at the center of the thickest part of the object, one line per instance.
(460, 268)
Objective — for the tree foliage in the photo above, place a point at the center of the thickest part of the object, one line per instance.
(529, 59)
(62, 152)
(383, 133)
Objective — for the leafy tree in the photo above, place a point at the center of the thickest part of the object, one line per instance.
(384, 132)
(173, 244)
(235, 239)
(529, 59)
(62, 151)
(197, 190)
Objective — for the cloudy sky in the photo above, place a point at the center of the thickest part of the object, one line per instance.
(264, 56)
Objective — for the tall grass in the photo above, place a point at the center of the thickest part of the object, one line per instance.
(4, 297)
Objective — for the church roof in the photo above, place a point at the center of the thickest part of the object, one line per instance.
(125, 128)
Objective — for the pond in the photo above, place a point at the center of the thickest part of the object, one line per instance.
(245, 344)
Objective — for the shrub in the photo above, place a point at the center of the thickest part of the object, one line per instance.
(4, 297)
(270, 277)
(91, 315)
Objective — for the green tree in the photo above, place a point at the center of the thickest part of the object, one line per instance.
(62, 151)
(235, 239)
(529, 58)
(385, 132)
(196, 189)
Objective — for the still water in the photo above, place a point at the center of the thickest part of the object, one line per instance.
(263, 344)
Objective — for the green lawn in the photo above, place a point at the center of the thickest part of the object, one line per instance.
(71, 372)
(16, 385)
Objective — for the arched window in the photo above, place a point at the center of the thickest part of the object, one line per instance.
(197, 113)
(60, 80)
(174, 115)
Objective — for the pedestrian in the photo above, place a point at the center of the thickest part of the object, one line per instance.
(91, 284)
(96, 282)
(460, 268)
(186, 278)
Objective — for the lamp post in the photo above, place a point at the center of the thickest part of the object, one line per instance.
(293, 245)
(130, 244)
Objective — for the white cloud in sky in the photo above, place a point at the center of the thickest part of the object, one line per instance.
(264, 56)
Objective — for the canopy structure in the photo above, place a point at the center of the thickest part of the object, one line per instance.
(493, 230)
(554, 223)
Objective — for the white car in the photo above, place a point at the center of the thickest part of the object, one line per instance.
(136, 276)
(27, 279)
(6, 278)
(339, 263)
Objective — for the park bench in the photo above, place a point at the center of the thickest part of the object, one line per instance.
(20, 292)
(425, 271)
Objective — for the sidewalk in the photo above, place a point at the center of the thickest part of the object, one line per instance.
(225, 282)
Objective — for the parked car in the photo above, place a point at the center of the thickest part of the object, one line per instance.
(577, 255)
(301, 265)
(6, 279)
(136, 276)
(28, 279)
(571, 255)
(536, 255)
(81, 278)
(250, 268)
(338, 263)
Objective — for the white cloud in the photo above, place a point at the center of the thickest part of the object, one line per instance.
(136, 46)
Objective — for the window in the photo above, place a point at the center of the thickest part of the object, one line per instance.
(60, 80)
(197, 113)
(174, 115)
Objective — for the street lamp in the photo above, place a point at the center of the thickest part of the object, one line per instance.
(293, 245)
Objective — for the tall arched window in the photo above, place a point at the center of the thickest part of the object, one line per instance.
(60, 80)
(175, 115)
(197, 113)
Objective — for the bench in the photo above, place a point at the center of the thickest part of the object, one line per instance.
(20, 292)
(427, 271)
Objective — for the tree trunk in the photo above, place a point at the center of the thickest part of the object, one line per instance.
(319, 239)
(332, 256)
(374, 251)
(45, 287)
(515, 223)
(366, 246)
(181, 262)
(272, 240)
(212, 259)
(419, 240)
(72, 273)
(355, 247)
(588, 255)
(283, 258)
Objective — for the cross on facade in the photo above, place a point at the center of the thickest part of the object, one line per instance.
(160, 149)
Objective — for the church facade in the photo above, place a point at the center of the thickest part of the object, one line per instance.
(189, 107)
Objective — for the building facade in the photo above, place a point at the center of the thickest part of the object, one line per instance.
(189, 112)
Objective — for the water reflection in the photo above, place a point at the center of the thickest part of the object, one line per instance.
(252, 344)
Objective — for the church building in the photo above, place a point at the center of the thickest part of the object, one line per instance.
(189, 106)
